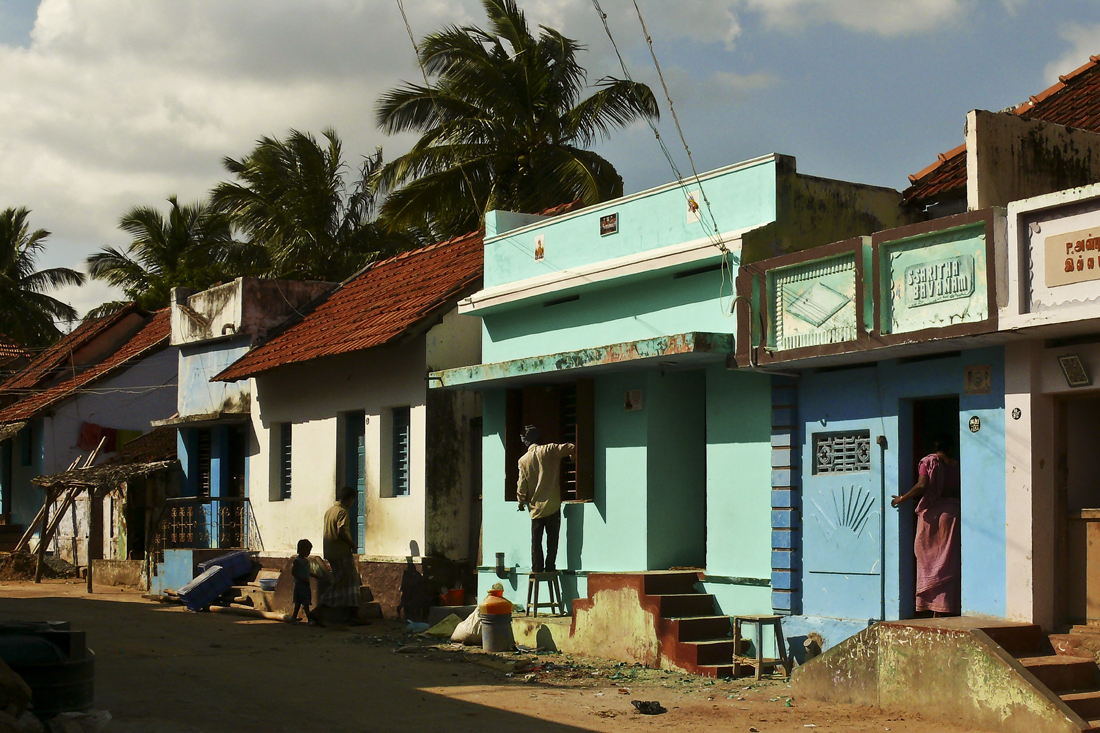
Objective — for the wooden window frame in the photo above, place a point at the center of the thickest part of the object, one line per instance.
(578, 476)
(400, 418)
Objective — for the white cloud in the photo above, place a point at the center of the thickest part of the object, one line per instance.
(1082, 44)
(882, 17)
(730, 81)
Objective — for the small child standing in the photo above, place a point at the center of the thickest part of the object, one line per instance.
(302, 594)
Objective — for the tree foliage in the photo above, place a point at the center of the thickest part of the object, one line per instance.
(293, 204)
(27, 313)
(502, 127)
(191, 247)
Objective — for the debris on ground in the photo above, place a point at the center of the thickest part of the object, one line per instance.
(648, 707)
(22, 566)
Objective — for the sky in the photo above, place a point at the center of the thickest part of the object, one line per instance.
(110, 104)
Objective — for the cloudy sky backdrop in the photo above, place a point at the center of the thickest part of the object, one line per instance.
(108, 104)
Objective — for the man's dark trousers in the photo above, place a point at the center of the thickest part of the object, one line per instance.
(552, 525)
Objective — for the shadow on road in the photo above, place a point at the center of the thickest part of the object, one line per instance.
(159, 668)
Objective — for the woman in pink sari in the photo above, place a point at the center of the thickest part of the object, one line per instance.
(939, 564)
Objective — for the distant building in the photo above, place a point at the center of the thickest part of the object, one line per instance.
(101, 385)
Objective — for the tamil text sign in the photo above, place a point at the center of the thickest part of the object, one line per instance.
(1073, 257)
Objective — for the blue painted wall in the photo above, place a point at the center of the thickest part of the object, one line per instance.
(841, 575)
(197, 364)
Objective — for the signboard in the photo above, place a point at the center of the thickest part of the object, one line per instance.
(1072, 257)
(632, 400)
(939, 281)
(814, 303)
(609, 224)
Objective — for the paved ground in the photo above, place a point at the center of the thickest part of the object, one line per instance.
(161, 668)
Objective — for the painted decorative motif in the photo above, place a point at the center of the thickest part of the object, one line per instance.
(935, 280)
(842, 452)
(814, 303)
(850, 509)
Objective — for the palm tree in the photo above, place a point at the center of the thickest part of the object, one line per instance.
(190, 249)
(503, 126)
(292, 200)
(27, 314)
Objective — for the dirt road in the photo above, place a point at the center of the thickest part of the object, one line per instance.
(160, 668)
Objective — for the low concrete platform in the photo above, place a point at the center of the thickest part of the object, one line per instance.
(987, 673)
(551, 633)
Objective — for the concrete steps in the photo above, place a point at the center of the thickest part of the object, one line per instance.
(690, 635)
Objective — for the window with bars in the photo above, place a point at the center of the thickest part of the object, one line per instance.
(401, 438)
(285, 441)
(846, 452)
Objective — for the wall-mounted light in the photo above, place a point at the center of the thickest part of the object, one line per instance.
(1074, 371)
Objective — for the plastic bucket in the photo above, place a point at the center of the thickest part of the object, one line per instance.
(496, 632)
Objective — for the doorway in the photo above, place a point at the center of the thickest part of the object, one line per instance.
(935, 418)
(1077, 492)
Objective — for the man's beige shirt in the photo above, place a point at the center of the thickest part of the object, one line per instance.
(337, 537)
(539, 477)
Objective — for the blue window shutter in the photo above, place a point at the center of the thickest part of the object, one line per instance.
(401, 436)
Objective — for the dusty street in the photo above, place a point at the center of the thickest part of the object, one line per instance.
(161, 668)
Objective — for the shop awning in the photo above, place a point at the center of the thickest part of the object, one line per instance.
(10, 430)
(671, 352)
(206, 420)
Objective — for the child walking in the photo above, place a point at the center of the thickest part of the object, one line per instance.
(302, 594)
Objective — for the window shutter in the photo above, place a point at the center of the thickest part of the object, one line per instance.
(284, 460)
(401, 435)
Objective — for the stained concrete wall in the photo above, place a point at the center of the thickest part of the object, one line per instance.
(1010, 158)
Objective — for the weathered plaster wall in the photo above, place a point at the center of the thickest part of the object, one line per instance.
(198, 363)
(248, 306)
(312, 396)
(315, 396)
(1009, 158)
(841, 565)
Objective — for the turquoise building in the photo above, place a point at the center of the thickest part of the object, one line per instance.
(611, 327)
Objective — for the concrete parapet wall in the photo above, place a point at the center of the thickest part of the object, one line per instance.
(956, 675)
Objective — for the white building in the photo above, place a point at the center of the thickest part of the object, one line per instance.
(340, 398)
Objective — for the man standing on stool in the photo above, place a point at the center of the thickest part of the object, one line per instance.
(539, 491)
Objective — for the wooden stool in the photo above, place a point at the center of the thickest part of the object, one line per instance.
(553, 584)
(760, 663)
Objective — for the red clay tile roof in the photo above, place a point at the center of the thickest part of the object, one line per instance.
(49, 361)
(153, 336)
(10, 350)
(1074, 102)
(385, 301)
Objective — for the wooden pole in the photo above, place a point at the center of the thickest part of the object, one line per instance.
(40, 566)
(95, 525)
